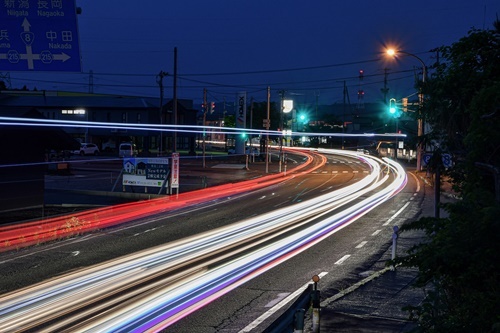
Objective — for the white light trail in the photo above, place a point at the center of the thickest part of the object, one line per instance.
(16, 121)
(235, 254)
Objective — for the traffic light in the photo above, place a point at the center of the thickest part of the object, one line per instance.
(212, 107)
(392, 106)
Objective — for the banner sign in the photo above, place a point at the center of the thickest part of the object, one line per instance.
(241, 115)
(145, 171)
(174, 182)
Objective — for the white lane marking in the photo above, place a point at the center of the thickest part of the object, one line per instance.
(345, 171)
(360, 245)
(355, 171)
(396, 214)
(275, 301)
(376, 232)
(75, 253)
(418, 182)
(335, 171)
(341, 260)
(278, 306)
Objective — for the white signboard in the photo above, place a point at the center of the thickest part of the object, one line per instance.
(145, 171)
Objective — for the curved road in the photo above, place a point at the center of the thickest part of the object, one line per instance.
(155, 288)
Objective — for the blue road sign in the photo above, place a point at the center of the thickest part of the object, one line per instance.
(446, 159)
(39, 35)
(426, 158)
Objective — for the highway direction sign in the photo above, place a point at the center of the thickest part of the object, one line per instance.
(39, 35)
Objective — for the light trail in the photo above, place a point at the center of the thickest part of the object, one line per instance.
(21, 235)
(16, 121)
(219, 261)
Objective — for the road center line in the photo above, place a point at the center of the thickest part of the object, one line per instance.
(278, 306)
(376, 232)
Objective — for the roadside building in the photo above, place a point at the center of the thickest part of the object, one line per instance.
(104, 120)
(108, 120)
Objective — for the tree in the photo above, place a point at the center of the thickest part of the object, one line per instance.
(458, 263)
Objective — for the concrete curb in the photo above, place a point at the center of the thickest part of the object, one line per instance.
(352, 288)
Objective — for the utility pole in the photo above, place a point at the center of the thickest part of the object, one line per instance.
(250, 134)
(91, 82)
(205, 107)
(343, 116)
(174, 143)
(159, 80)
(282, 94)
(385, 90)
(267, 127)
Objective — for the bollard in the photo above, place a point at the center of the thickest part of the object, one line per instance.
(394, 244)
(315, 305)
(298, 325)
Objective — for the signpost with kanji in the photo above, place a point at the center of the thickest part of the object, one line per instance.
(174, 181)
(39, 35)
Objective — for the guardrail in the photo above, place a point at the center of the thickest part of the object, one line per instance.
(292, 320)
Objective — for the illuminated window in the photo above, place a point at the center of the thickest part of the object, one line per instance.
(69, 111)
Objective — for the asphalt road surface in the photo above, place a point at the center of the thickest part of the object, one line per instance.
(339, 259)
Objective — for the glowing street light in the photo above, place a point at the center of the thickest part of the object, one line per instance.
(420, 130)
(394, 53)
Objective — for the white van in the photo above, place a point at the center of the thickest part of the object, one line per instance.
(127, 150)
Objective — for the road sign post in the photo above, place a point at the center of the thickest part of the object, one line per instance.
(39, 36)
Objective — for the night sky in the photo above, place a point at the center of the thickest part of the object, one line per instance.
(308, 48)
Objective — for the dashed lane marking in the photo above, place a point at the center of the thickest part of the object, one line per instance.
(360, 245)
(341, 260)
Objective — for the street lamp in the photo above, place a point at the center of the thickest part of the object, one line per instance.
(420, 126)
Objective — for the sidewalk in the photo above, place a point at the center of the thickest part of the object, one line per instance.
(375, 303)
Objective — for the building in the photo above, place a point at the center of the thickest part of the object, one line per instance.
(111, 119)
(102, 119)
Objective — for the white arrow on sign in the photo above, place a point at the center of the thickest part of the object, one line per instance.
(46, 57)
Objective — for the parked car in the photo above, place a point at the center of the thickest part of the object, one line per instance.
(127, 150)
(86, 149)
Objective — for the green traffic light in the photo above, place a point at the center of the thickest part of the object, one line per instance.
(392, 105)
